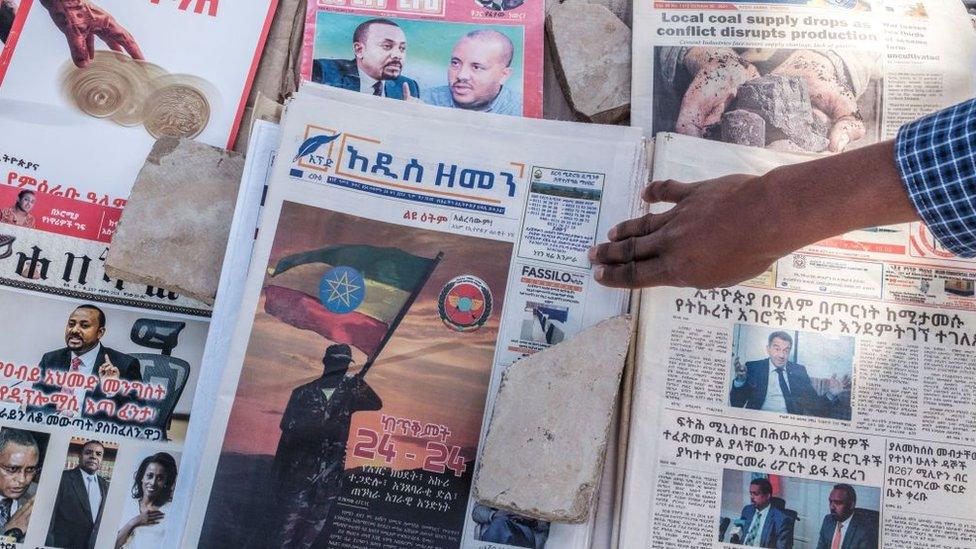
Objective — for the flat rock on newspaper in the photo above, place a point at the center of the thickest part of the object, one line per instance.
(404, 259)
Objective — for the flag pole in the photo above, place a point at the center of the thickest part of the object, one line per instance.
(402, 313)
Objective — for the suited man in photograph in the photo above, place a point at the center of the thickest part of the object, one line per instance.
(775, 384)
(84, 353)
(81, 498)
(20, 464)
(380, 49)
(847, 527)
(764, 525)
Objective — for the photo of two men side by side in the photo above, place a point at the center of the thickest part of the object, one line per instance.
(457, 65)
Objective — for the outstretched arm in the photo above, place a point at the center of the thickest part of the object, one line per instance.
(726, 230)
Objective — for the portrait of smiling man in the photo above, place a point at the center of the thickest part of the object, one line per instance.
(380, 52)
(481, 63)
(84, 353)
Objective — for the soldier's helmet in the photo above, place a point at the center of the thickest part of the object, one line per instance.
(337, 358)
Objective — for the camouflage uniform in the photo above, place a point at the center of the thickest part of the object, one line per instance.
(309, 462)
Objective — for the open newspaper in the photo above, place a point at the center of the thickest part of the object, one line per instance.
(835, 388)
(810, 75)
(479, 55)
(97, 374)
(405, 256)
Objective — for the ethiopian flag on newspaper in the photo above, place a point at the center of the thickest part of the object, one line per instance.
(348, 294)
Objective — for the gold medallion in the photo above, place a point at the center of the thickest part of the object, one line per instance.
(177, 110)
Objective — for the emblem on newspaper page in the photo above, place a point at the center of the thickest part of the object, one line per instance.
(342, 289)
(465, 303)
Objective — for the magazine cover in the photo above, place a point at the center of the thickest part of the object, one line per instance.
(94, 368)
(478, 55)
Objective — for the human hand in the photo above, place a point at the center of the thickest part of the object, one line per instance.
(740, 369)
(701, 242)
(21, 518)
(81, 22)
(718, 73)
(828, 94)
(838, 385)
(108, 370)
(725, 230)
(149, 516)
(407, 96)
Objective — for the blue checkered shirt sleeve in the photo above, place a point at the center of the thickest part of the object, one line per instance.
(936, 156)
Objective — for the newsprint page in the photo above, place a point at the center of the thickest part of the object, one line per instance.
(848, 72)
(406, 254)
(826, 403)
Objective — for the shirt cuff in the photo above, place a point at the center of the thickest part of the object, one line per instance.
(936, 158)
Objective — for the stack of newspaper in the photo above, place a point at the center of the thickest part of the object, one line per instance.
(405, 256)
(828, 402)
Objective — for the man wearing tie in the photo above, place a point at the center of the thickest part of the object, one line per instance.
(81, 498)
(777, 385)
(20, 461)
(846, 527)
(85, 353)
(380, 50)
(762, 524)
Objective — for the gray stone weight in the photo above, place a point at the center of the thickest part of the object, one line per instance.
(744, 128)
(784, 103)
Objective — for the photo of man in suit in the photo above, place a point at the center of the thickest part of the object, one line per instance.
(762, 524)
(481, 63)
(80, 500)
(776, 384)
(380, 51)
(20, 461)
(847, 527)
(84, 353)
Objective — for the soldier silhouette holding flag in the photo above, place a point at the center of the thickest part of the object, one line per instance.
(309, 461)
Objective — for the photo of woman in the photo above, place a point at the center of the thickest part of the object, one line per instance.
(152, 490)
(19, 214)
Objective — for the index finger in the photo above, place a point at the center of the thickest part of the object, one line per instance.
(406, 91)
(667, 191)
(636, 274)
(639, 226)
(121, 37)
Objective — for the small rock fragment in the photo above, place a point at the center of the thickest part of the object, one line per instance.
(784, 103)
(592, 59)
(785, 145)
(743, 127)
(175, 225)
(547, 438)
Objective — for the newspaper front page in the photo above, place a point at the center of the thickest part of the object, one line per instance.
(872, 425)
(810, 76)
(406, 255)
(98, 375)
(478, 55)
